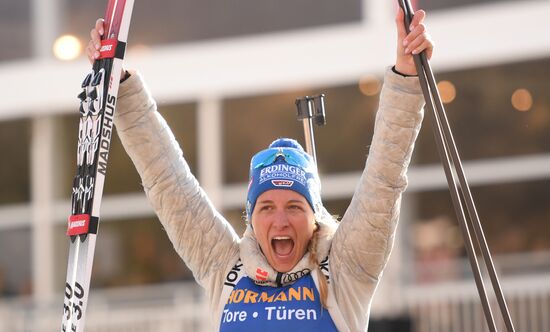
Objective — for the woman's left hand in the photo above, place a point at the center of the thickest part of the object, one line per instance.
(415, 42)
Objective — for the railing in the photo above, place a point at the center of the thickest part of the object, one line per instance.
(451, 306)
(163, 308)
(456, 307)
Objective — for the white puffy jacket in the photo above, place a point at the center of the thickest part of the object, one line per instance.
(359, 248)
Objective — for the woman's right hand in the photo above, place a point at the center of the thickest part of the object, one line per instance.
(92, 50)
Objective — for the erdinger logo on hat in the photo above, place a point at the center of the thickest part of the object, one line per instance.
(284, 165)
(284, 171)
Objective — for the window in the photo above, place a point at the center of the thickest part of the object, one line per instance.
(15, 262)
(15, 29)
(122, 176)
(483, 120)
(513, 218)
(128, 252)
(191, 20)
(341, 145)
(14, 168)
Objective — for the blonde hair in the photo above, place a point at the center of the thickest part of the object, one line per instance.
(326, 227)
(323, 283)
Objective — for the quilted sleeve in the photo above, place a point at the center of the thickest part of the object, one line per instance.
(200, 235)
(364, 239)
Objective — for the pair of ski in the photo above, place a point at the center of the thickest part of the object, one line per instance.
(97, 107)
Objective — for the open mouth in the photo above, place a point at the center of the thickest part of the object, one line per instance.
(282, 245)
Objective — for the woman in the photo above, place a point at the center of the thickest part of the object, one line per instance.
(294, 267)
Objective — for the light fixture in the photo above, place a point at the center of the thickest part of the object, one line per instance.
(67, 47)
(369, 85)
(522, 100)
(447, 91)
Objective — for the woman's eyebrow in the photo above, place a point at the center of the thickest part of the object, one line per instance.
(296, 201)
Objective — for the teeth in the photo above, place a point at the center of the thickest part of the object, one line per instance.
(281, 238)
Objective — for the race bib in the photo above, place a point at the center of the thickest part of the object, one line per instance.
(295, 307)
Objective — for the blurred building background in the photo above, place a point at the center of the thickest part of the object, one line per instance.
(225, 75)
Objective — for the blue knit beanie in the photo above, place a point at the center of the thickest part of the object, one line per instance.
(284, 165)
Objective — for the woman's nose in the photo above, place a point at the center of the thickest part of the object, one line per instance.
(280, 219)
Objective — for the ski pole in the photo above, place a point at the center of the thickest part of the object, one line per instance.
(449, 156)
(311, 110)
